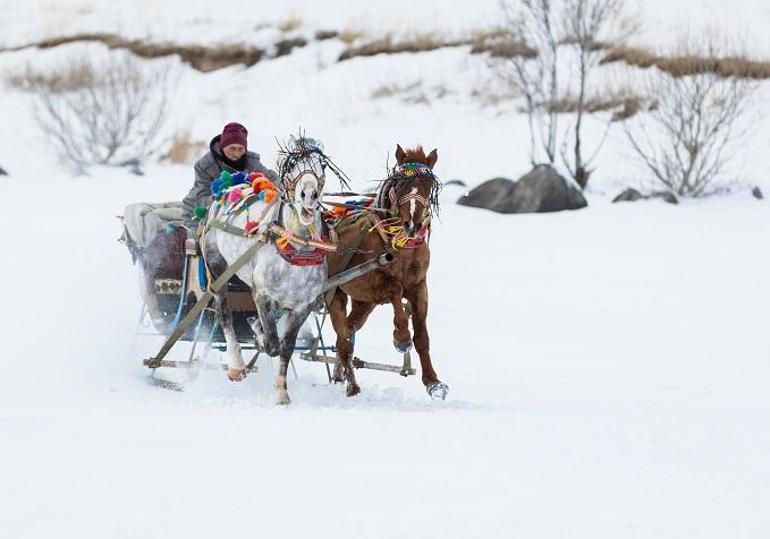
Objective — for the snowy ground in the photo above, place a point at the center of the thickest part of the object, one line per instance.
(608, 373)
(607, 368)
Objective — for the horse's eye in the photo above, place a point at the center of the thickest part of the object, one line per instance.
(303, 194)
(315, 196)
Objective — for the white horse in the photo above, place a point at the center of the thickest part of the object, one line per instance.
(284, 275)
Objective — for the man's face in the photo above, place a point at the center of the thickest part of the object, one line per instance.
(234, 151)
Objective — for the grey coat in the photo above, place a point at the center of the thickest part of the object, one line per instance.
(209, 167)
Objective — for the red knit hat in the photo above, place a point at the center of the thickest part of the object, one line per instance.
(233, 133)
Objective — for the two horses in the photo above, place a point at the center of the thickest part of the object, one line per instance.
(287, 275)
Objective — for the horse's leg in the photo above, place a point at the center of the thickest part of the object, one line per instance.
(236, 367)
(419, 300)
(343, 369)
(359, 312)
(402, 340)
(270, 339)
(294, 321)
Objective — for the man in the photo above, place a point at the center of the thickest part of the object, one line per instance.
(228, 151)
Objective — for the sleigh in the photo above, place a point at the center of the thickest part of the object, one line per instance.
(176, 297)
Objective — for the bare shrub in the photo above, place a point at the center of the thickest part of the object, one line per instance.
(687, 139)
(106, 111)
(566, 36)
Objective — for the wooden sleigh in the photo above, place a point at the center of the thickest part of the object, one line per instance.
(177, 305)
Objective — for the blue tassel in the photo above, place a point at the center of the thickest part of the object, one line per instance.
(170, 228)
(216, 187)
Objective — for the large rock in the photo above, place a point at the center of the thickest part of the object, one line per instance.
(541, 190)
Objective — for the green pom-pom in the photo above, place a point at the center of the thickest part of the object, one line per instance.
(199, 212)
(226, 176)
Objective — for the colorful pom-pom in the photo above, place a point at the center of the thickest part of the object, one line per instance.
(225, 176)
(234, 195)
(269, 195)
(239, 177)
(170, 228)
(216, 187)
(199, 212)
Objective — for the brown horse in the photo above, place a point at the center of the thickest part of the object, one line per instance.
(405, 202)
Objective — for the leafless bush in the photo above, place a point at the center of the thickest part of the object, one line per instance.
(102, 111)
(686, 140)
(567, 36)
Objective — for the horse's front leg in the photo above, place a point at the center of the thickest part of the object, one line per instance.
(343, 370)
(419, 300)
(236, 367)
(294, 321)
(271, 344)
(402, 340)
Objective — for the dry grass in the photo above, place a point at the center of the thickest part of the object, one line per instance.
(289, 25)
(623, 104)
(418, 43)
(500, 44)
(349, 36)
(691, 64)
(322, 35)
(183, 150)
(203, 59)
(285, 46)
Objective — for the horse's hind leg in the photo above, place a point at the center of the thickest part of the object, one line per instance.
(419, 300)
(236, 367)
(344, 368)
(294, 322)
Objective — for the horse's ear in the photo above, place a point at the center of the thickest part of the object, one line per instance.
(400, 154)
(432, 158)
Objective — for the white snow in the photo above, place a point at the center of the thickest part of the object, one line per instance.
(608, 368)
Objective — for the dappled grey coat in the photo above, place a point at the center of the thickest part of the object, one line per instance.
(209, 167)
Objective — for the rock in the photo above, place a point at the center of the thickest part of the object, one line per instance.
(632, 195)
(541, 190)
(629, 195)
(757, 192)
(3, 172)
(665, 196)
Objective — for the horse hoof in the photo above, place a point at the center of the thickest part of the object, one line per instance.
(283, 400)
(403, 347)
(352, 390)
(438, 390)
(236, 375)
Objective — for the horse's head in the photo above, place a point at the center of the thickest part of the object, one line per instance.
(411, 191)
(303, 172)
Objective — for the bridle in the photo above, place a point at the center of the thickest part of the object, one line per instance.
(405, 172)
